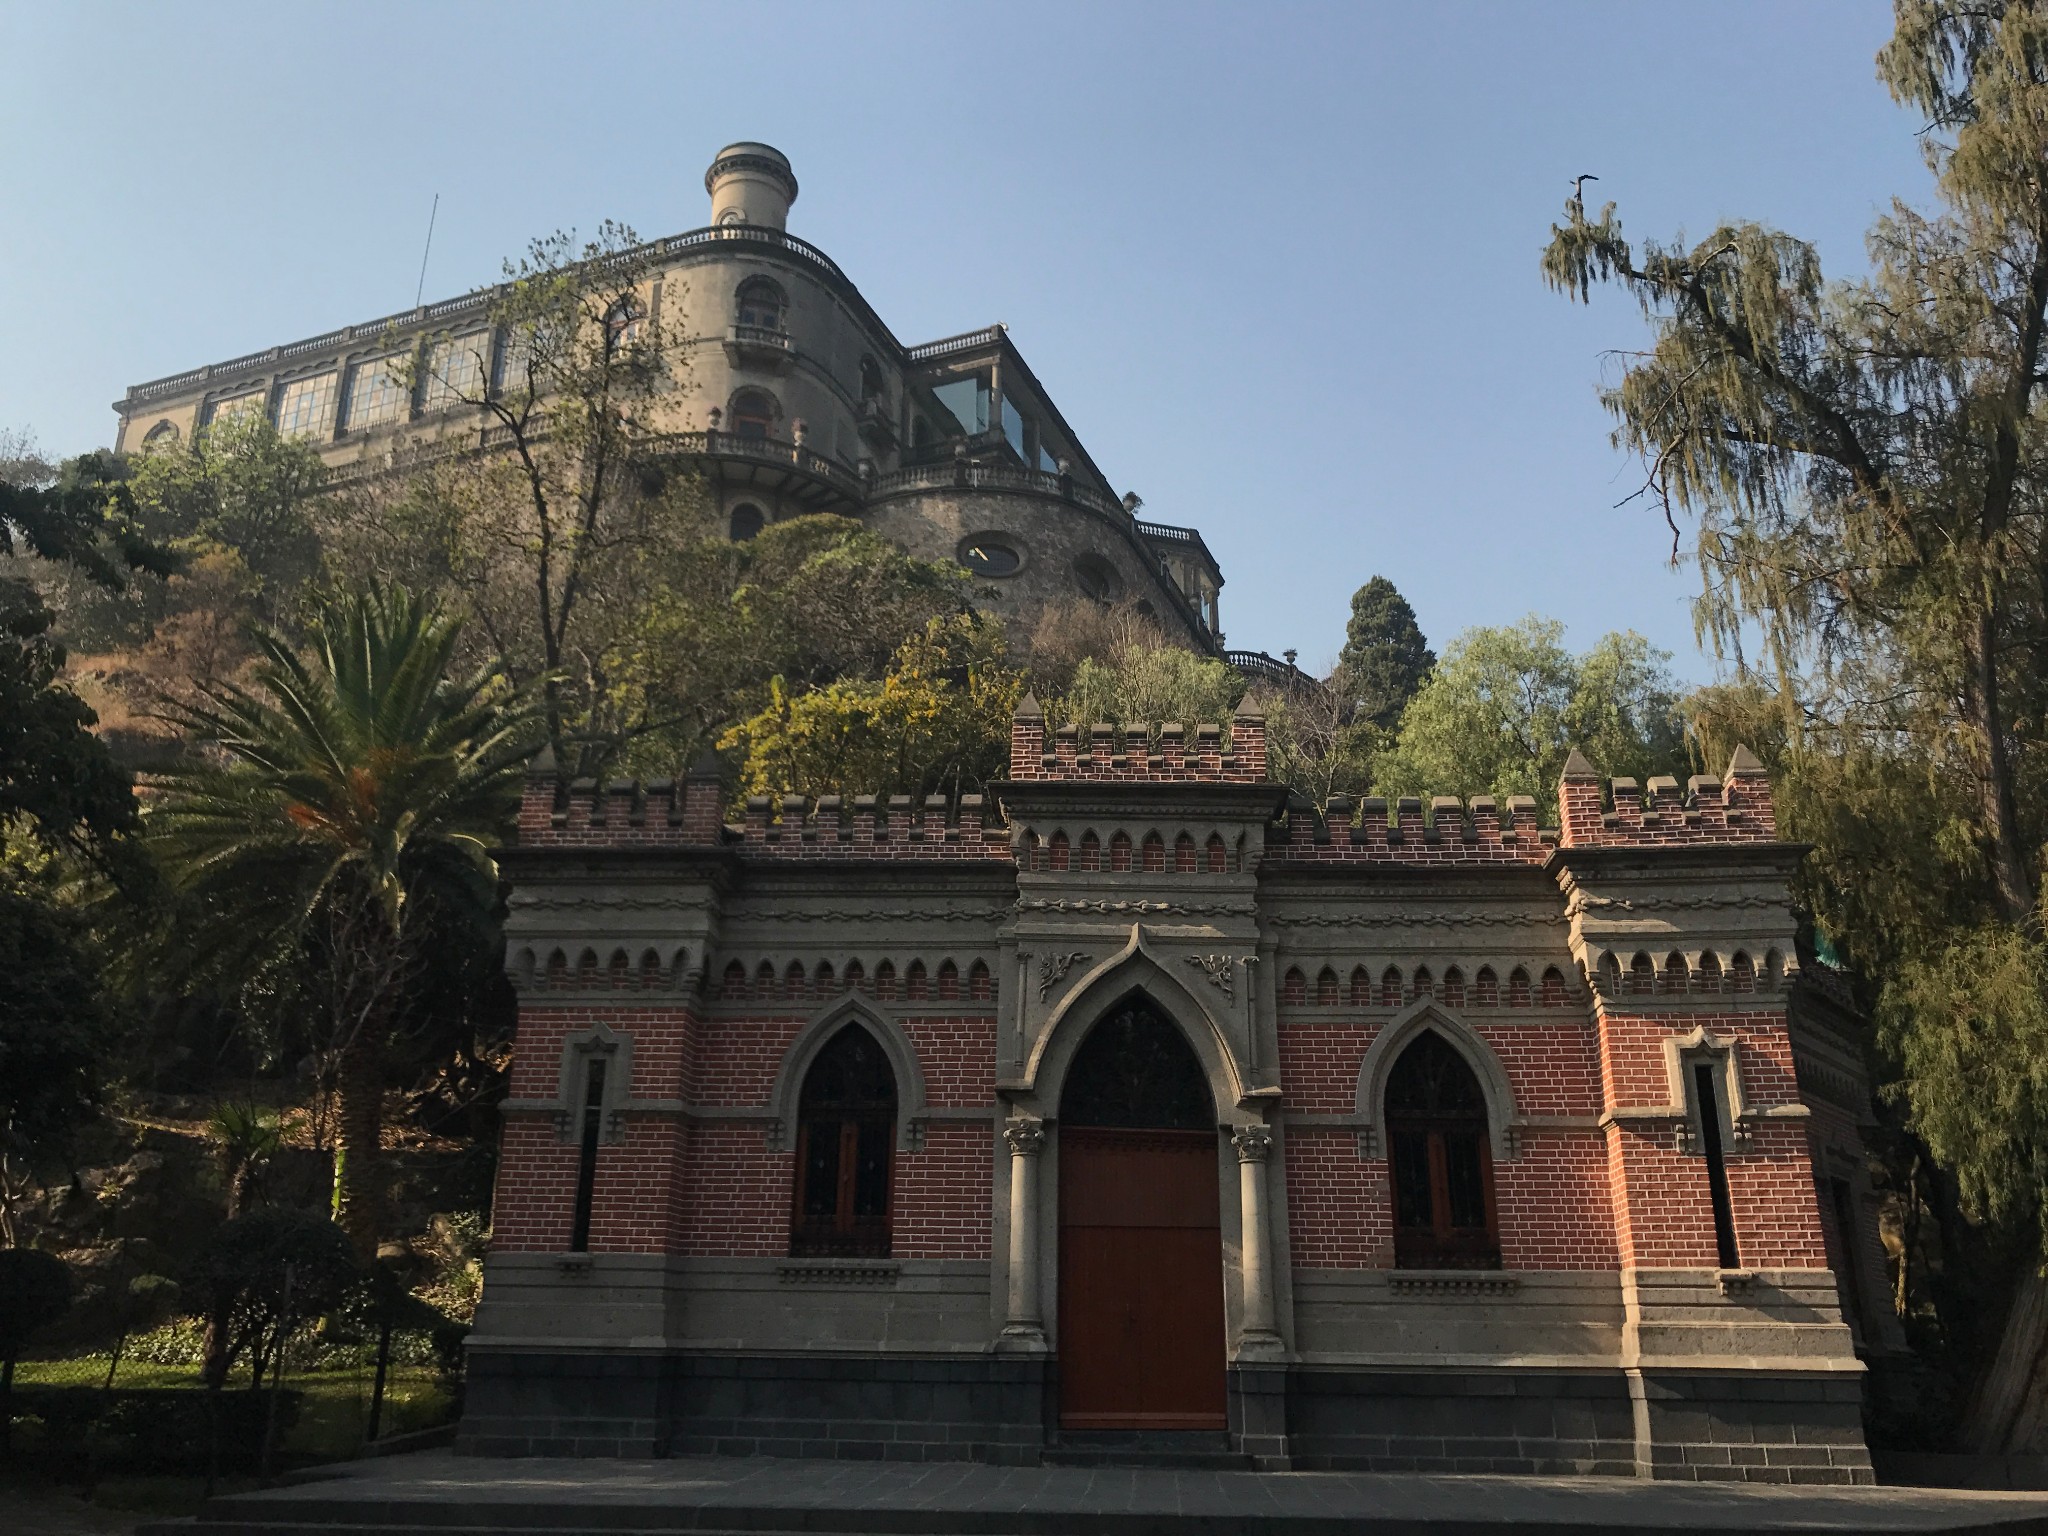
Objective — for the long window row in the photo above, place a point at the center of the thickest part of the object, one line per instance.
(376, 392)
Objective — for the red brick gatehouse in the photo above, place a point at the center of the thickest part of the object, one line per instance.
(1135, 1105)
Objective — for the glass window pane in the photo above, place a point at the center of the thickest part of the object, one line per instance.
(305, 407)
(966, 401)
(871, 1171)
(376, 395)
(1462, 1170)
(239, 406)
(1013, 426)
(1411, 1180)
(821, 1170)
(455, 370)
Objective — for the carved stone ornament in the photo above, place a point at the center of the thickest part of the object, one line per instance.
(1026, 1137)
(1221, 971)
(1254, 1143)
(1052, 970)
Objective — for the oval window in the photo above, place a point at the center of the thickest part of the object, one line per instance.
(991, 556)
(1098, 579)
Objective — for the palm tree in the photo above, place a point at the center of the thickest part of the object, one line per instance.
(349, 794)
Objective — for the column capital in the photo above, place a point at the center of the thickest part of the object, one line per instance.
(1254, 1143)
(1026, 1137)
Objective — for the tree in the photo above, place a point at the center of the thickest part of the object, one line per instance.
(1317, 744)
(1505, 705)
(65, 807)
(556, 539)
(264, 1275)
(1862, 462)
(356, 793)
(1385, 658)
(937, 720)
(1150, 684)
(35, 1290)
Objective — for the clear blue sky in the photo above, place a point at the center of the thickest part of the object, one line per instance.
(1277, 263)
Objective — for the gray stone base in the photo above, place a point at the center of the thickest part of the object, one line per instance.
(978, 1408)
(1000, 1408)
(1721, 1426)
(1557, 1422)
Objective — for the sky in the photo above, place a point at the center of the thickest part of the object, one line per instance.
(1276, 263)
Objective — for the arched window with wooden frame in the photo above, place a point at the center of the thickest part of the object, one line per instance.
(1441, 1162)
(846, 1134)
(754, 413)
(761, 303)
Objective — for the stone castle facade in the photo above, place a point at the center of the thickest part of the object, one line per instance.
(1135, 1100)
(795, 397)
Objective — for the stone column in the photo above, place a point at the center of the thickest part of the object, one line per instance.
(1024, 1332)
(1260, 1332)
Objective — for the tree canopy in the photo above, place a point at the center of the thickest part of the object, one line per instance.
(1506, 705)
(1385, 657)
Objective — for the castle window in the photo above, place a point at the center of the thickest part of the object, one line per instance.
(846, 1129)
(966, 401)
(870, 379)
(1014, 427)
(987, 555)
(376, 395)
(235, 407)
(517, 366)
(162, 435)
(1707, 1109)
(621, 325)
(761, 303)
(754, 413)
(746, 522)
(305, 407)
(590, 1130)
(1098, 579)
(455, 370)
(1441, 1163)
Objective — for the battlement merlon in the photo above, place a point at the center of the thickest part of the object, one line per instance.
(1735, 808)
(1138, 753)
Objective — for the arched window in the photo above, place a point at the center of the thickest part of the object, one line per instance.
(746, 522)
(1441, 1163)
(1135, 1070)
(163, 435)
(760, 303)
(846, 1133)
(754, 413)
(870, 379)
(621, 325)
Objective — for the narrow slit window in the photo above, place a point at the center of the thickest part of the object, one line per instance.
(592, 1129)
(1717, 1165)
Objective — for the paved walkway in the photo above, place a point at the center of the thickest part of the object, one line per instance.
(438, 1489)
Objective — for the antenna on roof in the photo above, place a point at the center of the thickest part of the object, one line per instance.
(420, 292)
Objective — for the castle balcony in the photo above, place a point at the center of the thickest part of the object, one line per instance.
(771, 466)
(877, 425)
(759, 346)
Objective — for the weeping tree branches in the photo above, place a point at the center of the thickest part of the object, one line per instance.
(1863, 460)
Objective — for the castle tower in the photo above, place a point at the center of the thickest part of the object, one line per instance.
(751, 183)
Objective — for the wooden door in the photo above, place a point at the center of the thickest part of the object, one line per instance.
(1141, 1280)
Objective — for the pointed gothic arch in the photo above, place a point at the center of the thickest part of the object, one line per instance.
(1503, 1115)
(1134, 969)
(785, 1100)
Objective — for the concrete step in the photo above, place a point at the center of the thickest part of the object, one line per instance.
(1185, 1450)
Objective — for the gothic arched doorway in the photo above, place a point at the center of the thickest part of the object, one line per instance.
(1141, 1246)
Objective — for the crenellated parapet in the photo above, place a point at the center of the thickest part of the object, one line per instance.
(1733, 809)
(1137, 753)
(1374, 830)
(872, 827)
(623, 813)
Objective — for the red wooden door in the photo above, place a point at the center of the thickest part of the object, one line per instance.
(1141, 1280)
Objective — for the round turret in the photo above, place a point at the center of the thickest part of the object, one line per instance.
(751, 183)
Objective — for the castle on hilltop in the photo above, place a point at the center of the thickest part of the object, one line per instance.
(1135, 1108)
(796, 397)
